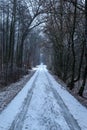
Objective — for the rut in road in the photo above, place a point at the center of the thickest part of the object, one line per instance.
(72, 123)
(47, 109)
(18, 122)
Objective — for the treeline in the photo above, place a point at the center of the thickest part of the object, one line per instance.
(18, 40)
(66, 28)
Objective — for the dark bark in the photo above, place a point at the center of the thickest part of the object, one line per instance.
(83, 83)
(71, 84)
(85, 70)
(20, 55)
(80, 63)
(67, 62)
(12, 36)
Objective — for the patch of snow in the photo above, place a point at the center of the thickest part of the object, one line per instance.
(78, 111)
(8, 115)
(44, 112)
(10, 91)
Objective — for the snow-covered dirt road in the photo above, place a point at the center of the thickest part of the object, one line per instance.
(43, 104)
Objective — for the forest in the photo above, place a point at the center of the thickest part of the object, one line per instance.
(56, 29)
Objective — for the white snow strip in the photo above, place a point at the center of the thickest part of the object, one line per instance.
(44, 112)
(8, 115)
(78, 111)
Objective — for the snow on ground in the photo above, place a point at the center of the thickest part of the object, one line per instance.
(7, 116)
(78, 111)
(45, 105)
(44, 112)
(9, 92)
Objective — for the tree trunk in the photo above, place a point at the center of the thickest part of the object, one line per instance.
(85, 71)
(71, 84)
(83, 83)
(81, 61)
(20, 54)
(12, 36)
(7, 47)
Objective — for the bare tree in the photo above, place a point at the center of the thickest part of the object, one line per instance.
(85, 69)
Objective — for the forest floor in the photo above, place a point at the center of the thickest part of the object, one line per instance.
(74, 92)
(43, 104)
(8, 92)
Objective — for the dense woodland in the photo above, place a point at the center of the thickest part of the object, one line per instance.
(55, 28)
(66, 28)
(18, 39)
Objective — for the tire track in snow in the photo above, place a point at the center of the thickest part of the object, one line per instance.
(19, 120)
(72, 123)
(46, 119)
